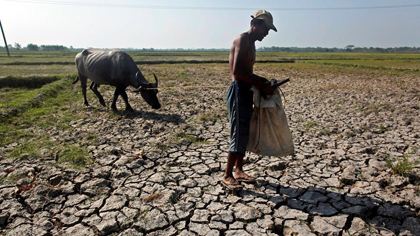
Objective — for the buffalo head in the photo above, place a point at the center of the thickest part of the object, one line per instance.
(149, 91)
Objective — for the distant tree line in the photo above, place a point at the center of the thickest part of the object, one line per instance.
(34, 47)
(348, 48)
(176, 49)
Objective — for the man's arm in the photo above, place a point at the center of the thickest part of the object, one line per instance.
(242, 69)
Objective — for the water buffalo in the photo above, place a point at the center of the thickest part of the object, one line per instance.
(114, 68)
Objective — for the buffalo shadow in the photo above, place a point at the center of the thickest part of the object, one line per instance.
(147, 115)
(151, 115)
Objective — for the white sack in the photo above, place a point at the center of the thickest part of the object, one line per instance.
(269, 132)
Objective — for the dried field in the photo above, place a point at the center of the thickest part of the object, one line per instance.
(67, 169)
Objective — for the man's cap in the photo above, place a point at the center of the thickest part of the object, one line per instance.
(266, 17)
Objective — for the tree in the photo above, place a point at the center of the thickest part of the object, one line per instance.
(349, 47)
(18, 46)
(32, 47)
(53, 48)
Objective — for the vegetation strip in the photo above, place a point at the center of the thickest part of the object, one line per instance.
(147, 62)
(362, 66)
(33, 99)
(27, 82)
(27, 63)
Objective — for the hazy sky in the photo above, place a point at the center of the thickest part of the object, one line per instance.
(208, 24)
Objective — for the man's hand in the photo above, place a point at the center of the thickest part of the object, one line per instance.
(266, 89)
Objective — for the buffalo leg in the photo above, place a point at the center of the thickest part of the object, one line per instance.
(114, 100)
(125, 98)
(83, 81)
(94, 88)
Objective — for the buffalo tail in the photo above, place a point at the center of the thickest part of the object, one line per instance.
(75, 80)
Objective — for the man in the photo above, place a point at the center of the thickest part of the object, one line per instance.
(240, 98)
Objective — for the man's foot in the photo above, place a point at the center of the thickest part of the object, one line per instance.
(242, 177)
(231, 183)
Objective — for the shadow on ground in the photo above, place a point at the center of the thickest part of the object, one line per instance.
(322, 209)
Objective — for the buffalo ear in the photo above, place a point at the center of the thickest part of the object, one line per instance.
(137, 90)
(140, 79)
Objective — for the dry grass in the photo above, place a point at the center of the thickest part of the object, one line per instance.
(152, 197)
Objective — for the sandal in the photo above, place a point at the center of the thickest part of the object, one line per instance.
(231, 186)
(246, 179)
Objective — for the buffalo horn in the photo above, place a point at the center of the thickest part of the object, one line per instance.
(155, 79)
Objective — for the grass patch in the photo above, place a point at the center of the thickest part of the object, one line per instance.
(28, 81)
(161, 146)
(181, 73)
(29, 149)
(376, 108)
(403, 166)
(190, 138)
(325, 132)
(26, 132)
(393, 64)
(49, 111)
(32, 99)
(9, 94)
(11, 179)
(74, 157)
(383, 128)
(310, 125)
(182, 138)
(208, 117)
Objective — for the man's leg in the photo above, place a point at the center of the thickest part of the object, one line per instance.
(232, 107)
(228, 177)
(240, 175)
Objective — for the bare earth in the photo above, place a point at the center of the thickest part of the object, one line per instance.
(159, 172)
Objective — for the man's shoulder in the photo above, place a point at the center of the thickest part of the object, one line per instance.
(242, 38)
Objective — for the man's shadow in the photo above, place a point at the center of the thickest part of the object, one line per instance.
(379, 215)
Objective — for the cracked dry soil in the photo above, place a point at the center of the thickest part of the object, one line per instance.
(344, 127)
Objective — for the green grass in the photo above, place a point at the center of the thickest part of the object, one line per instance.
(325, 132)
(27, 81)
(74, 156)
(402, 166)
(209, 117)
(309, 125)
(395, 64)
(180, 137)
(403, 60)
(9, 94)
(37, 70)
(32, 99)
(376, 108)
(190, 138)
(317, 69)
(53, 105)
(12, 178)
(30, 149)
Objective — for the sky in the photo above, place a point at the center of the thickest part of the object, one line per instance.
(193, 24)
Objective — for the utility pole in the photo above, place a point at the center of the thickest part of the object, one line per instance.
(4, 37)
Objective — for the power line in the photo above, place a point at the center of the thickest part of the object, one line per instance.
(90, 4)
